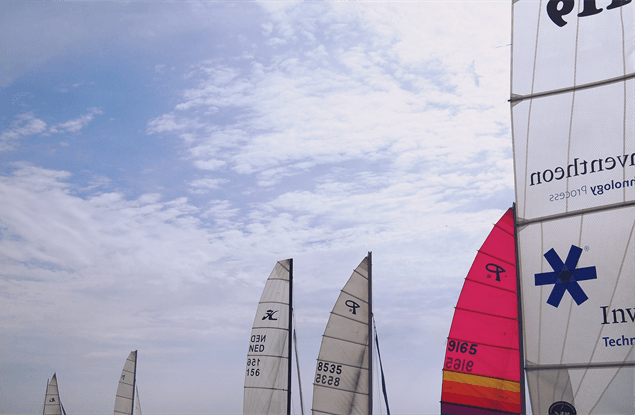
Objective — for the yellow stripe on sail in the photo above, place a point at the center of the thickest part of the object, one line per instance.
(475, 380)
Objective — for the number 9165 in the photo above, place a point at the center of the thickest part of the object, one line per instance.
(462, 347)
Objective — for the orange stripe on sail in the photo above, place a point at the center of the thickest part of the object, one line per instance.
(481, 391)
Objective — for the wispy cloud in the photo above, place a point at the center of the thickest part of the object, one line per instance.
(25, 125)
(77, 124)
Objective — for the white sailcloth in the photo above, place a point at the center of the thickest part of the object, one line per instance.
(574, 155)
(52, 403)
(342, 383)
(267, 374)
(124, 401)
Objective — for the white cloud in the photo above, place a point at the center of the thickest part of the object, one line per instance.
(25, 124)
(77, 124)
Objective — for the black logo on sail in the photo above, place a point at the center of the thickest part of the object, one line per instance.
(496, 269)
(52, 400)
(562, 408)
(269, 315)
(353, 305)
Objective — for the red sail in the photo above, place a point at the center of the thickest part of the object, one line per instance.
(481, 372)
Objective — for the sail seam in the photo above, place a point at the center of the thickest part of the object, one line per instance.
(260, 387)
(268, 355)
(360, 274)
(354, 296)
(348, 318)
(495, 257)
(579, 366)
(343, 340)
(517, 98)
(524, 222)
(487, 314)
(272, 302)
(491, 286)
(339, 389)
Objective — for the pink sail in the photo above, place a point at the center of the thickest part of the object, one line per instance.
(481, 371)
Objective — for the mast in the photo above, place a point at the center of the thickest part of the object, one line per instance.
(134, 382)
(370, 332)
(521, 354)
(290, 337)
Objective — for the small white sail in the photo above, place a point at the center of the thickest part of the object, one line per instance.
(52, 403)
(124, 402)
(343, 376)
(267, 376)
(137, 402)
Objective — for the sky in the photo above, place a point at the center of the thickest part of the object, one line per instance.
(158, 158)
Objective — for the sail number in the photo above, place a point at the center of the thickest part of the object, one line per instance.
(253, 371)
(326, 379)
(558, 8)
(463, 347)
(459, 363)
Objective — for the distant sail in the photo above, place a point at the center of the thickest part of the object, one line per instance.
(343, 377)
(482, 363)
(52, 402)
(268, 376)
(573, 126)
(124, 401)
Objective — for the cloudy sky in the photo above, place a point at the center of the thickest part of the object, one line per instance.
(157, 159)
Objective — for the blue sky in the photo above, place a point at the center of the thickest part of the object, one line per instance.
(167, 154)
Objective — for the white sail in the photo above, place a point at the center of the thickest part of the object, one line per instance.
(343, 376)
(52, 403)
(267, 376)
(137, 402)
(574, 153)
(124, 401)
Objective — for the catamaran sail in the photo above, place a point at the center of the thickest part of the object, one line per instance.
(343, 377)
(125, 399)
(52, 402)
(572, 98)
(268, 370)
(481, 372)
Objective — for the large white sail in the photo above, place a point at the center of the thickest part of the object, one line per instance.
(574, 153)
(124, 401)
(343, 376)
(52, 403)
(267, 376)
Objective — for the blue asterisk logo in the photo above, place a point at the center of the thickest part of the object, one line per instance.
(565, 276)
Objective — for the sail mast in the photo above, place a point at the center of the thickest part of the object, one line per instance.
(134, 382)
(521, 353)
(370, 332)
(290, 337)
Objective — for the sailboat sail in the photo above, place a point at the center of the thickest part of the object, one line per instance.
(268, 371)
(343, 377)
(52, 403)
(124, 401)
(572, 100)
(481, 372)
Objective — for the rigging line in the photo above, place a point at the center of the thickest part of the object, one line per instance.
(381, 368)
(297, 363)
